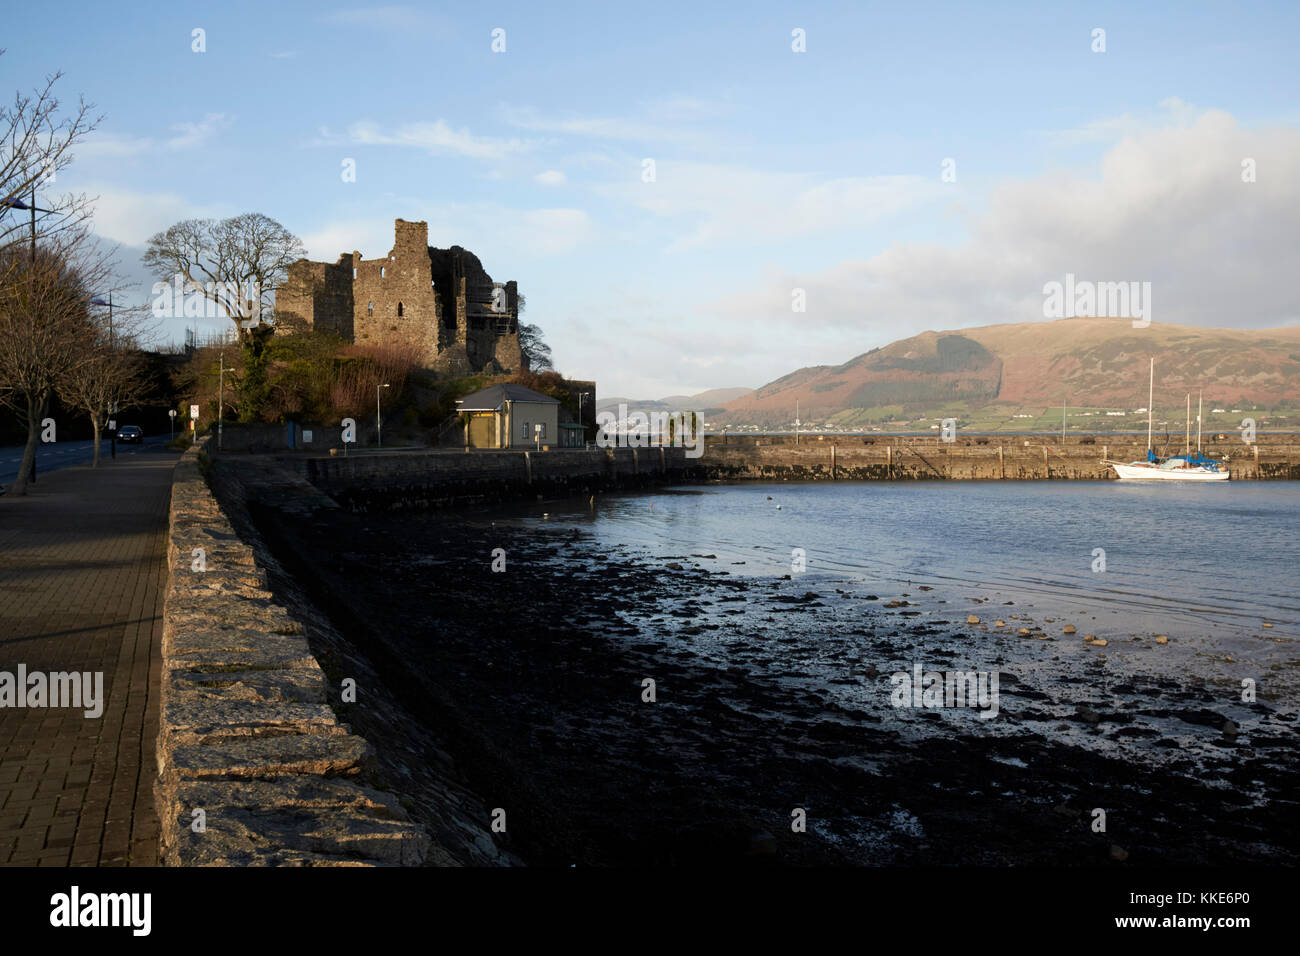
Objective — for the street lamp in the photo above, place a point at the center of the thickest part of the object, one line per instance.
(379, 423)
(109, 303)
(13, 202)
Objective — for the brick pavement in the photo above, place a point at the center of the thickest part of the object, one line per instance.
(82, 580)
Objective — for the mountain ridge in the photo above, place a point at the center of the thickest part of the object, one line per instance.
(1087, 362)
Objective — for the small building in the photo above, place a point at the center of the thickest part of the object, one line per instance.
(510, 416)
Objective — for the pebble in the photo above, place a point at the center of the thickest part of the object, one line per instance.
(1161, 639)
(1070, 629)
(1118, 853)
(972, 619)
(999, 623)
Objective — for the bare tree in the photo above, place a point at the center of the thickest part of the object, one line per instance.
(236, 263)
(110, 377)
(36, 140)
(45, 325)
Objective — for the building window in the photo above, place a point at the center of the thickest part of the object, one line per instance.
(354, 272)
(370, 309)
(524, 435)
(383, 271)
(541, 430)
(399, 310)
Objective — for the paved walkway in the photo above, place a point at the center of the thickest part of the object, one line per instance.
(82, 579)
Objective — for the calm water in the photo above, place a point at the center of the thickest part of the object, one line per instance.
(1210, 563)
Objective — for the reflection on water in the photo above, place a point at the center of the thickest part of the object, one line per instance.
(1193, 559)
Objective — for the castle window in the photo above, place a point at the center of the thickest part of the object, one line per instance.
(382, 271)
(370, 309)
(354, 272)
(399, 310)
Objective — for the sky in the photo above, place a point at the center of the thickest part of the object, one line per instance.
(914, 166)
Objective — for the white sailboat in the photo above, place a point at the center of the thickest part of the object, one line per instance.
(1184, 467)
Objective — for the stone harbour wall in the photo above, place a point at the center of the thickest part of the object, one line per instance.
(254, 766)
(379, 481)
(849, 458)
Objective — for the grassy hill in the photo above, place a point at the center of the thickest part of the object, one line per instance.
(1017, 375)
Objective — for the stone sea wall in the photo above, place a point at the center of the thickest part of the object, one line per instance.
(850, 458)
(255, 768)
(423, 479)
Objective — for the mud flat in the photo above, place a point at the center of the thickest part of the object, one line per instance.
(773, 696)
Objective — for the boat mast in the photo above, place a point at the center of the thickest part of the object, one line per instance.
(1062, 422)
(1199, 396)
(1151, 412)
(1187, 441)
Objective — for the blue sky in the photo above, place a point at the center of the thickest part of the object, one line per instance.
(775, 170)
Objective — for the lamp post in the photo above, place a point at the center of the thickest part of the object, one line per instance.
(379, 422)
(108, 302)
(171, 425)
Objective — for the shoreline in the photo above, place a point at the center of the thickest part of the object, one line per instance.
(538, 676)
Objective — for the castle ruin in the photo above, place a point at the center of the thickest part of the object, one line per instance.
(441, 301)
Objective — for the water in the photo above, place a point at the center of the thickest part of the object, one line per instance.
(1205, 563)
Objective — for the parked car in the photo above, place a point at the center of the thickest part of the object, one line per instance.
(130, 434)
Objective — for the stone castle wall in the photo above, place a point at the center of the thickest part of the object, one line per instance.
(441, 302)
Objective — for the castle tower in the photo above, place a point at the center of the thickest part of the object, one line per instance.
(441, 302)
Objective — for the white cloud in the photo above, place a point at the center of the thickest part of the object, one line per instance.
(1114, 128)
(1167, 205)
(190, 135)
(436, 137)
(557, 231)
(551, 177)
(716, 203)
(678, 121)
(131, 218)
(476, 226)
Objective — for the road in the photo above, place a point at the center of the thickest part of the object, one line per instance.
(55, 455)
